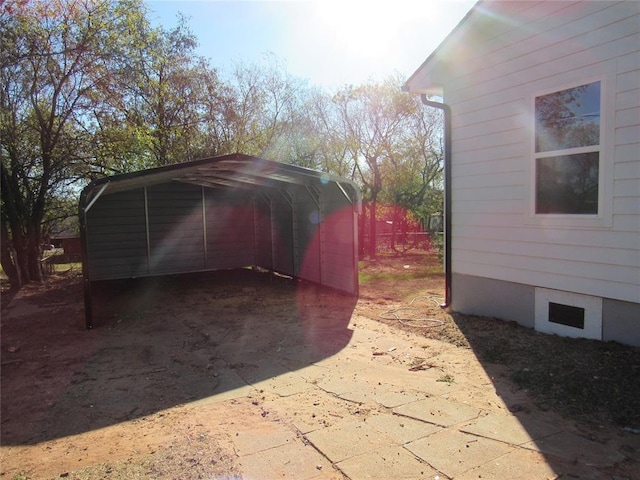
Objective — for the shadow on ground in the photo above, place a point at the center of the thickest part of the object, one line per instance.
(157, 343)
(577, 401)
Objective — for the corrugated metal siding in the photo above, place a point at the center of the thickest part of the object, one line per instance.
(282, 234)
(230, 230)
(307, 233)
(117, 246)
(339, 260)
(263, 232)
(176, 234)
(301, 230)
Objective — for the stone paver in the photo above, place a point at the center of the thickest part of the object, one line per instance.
(516, 465)
(284, 385)
(385, 397)
(510, 429)
(439, 411)
(264, 436)
(348, 439)
(367, 415)
(401, 429)
(402, 378)
(229, 386)
(575, 448)
(452, 452)
(391, 462)
(294, 460)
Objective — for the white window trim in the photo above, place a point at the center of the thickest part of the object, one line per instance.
(604, 217)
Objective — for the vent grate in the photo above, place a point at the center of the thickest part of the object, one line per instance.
(566, 315)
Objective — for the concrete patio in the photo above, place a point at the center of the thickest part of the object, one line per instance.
(381, 414)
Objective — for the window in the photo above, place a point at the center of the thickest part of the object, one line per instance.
(567, 151)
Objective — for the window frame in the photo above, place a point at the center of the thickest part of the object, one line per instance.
(605, 160)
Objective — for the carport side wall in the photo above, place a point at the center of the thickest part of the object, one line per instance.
(339, 236)
(160, 230)
(511, 301)
(306, 229)
(176, 228)
(325, 236)
(230, 230)
(282, 222)
(263, 231)
(116, 236)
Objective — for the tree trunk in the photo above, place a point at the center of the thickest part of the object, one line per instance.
(22, 237)
(33, 257)
(372, 227)
(361, 227)
(7, 258)
(395, 220)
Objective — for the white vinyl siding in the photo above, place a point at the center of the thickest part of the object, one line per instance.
(491, 93)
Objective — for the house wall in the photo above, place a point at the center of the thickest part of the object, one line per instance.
(487, 297)
(490, 85)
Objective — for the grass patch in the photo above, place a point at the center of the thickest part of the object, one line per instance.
(368, 277)
(67, 267)
(446, 379)
(390, 269)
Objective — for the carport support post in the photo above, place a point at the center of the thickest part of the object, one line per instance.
(86, 281)
(316, 198)
(88, 304)
(290, 199)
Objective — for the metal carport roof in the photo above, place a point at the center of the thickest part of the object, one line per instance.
(287, 196)
(232, 171)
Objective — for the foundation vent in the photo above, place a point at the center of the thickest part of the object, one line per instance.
(568, 314)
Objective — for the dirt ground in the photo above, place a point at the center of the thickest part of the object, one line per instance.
(128, 399)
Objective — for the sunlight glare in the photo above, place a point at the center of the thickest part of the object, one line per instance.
(373, 30)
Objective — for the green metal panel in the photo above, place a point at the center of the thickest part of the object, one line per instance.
(226, 212)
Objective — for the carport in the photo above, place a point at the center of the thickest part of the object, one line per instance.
(226, 212)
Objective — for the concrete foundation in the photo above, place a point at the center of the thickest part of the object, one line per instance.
(517, 302)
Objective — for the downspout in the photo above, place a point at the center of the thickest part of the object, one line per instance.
(446, 110)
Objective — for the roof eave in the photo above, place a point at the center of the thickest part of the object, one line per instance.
(421, 80)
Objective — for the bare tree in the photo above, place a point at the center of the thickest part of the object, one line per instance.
(371, 121)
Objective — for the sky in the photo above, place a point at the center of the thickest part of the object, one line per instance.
(330, 43)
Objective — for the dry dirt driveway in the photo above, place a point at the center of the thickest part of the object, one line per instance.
(186, 376)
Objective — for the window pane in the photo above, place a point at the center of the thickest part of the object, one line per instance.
(567, 184)
(568, 118)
